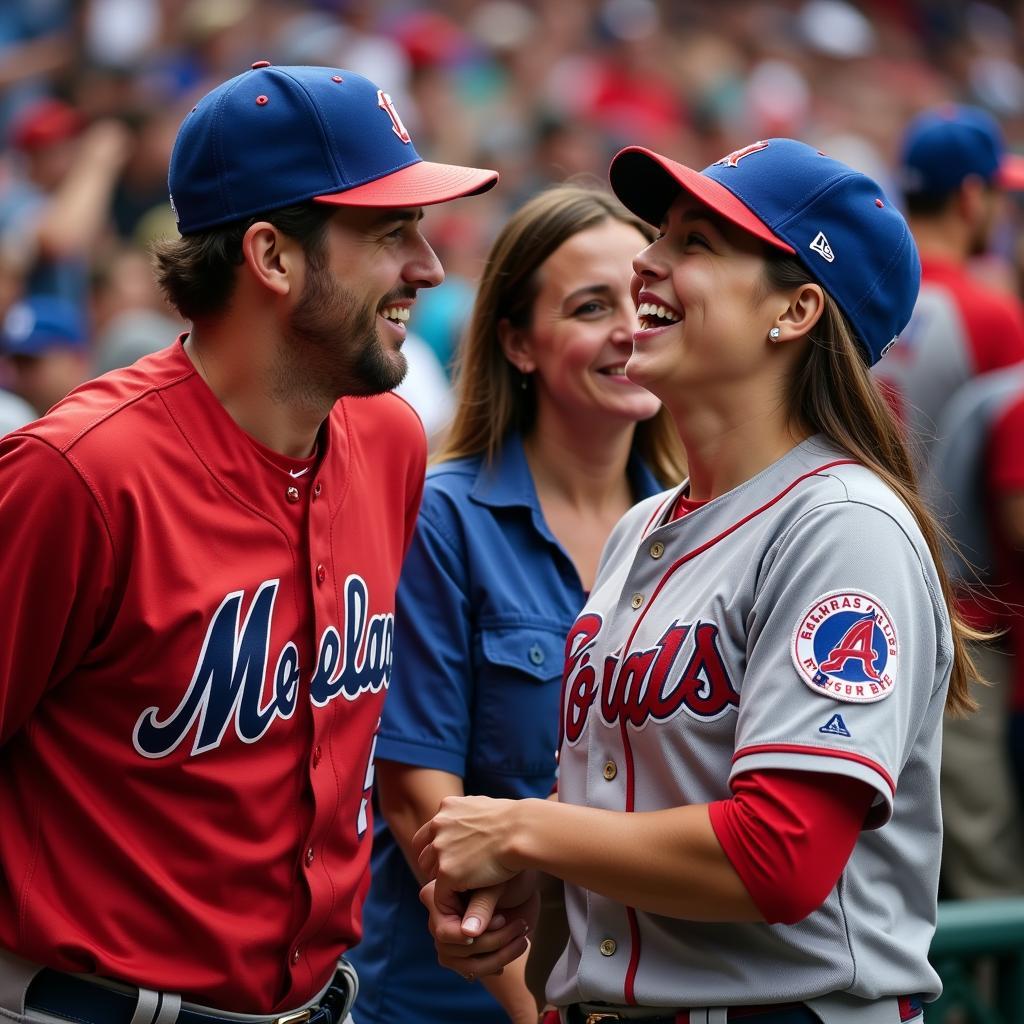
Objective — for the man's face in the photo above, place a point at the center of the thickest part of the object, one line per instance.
(346, 331)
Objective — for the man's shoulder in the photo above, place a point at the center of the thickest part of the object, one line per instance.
(974, 297)
(381, 417)
(111, 411)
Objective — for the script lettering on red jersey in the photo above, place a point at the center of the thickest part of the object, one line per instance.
(646, 685)
(228, 684)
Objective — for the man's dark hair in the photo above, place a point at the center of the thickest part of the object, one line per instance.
(197, 272)
(927, 204)
(932, 204)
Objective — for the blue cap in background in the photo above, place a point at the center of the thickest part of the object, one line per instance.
(836, 221)
(40, 323)
(944, 146)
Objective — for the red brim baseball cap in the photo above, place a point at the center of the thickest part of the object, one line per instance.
(419, 184)
(1011, 172)
(275, 136)
(835, 220)
(647, 183)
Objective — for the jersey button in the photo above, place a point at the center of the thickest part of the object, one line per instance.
(296, 953)
(309, 857)
(608, 947)
(321, 572)
(610, 770)
(637, 600)
(292, 494)
(657, 549)
(318, 754)
(317, 488)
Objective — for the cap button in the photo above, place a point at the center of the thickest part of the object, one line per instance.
(261, 64)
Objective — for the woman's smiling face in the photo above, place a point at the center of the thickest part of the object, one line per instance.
(580, 334)
(705, 308)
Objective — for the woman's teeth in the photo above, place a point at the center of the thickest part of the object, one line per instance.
(653, 315)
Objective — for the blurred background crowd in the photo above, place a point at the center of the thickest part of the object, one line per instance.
(92, 93)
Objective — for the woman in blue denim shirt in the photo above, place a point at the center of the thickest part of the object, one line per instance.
(551, 444)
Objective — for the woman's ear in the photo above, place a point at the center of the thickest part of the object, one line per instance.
(806, 304)
(515, 343)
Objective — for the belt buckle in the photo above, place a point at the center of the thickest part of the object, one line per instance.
(298, 1017)
(596, 1018)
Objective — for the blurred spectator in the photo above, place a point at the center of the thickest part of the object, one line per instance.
(954, 168)
(52, 217)
(1005, 477)
(44, 343)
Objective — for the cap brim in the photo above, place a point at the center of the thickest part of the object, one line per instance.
(420, 184)
(1011, 173)
(648, 183)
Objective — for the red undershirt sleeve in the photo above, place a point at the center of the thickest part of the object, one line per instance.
(789, 834)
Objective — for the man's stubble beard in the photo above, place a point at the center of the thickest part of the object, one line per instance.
(332, 347)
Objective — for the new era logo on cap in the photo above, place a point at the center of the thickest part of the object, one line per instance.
(821, 247)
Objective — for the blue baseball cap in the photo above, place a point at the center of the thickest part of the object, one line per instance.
(947, 144)
(40, 323)
(274, 136)
(836, 221)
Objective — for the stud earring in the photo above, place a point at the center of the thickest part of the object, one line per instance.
(774, 333)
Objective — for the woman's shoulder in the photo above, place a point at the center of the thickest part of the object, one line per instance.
(454, 476)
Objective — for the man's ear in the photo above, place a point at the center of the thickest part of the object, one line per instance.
(515, 343)
(971, 199)
(806, 304)
(276, 261)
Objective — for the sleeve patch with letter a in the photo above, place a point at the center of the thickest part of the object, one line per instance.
(845, 647)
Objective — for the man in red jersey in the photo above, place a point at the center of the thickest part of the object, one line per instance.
(201, 554)
(954, 169)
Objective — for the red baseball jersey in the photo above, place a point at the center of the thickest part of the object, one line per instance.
(198, 641)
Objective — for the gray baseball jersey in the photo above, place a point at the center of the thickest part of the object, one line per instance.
(796, 622)
(931, 360)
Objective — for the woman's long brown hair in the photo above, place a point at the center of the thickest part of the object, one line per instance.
(490, 398)
(833, 393)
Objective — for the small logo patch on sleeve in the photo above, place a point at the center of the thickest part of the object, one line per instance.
(845, 647)
(835, 726)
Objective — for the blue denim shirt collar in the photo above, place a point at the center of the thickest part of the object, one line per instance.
(507, 481)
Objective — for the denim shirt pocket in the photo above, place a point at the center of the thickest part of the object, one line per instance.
(518, 682)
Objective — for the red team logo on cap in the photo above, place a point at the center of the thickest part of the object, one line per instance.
(385, 102)
(845, 646)
(733, 159)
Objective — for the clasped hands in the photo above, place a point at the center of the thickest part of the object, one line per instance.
(482, 903)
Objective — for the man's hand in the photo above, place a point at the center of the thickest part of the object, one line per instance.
(481, 933)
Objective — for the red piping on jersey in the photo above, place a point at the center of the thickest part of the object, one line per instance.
(634, 927)
(796, 748)
(657, 512)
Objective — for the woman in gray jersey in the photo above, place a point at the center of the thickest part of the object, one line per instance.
(748, 814)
